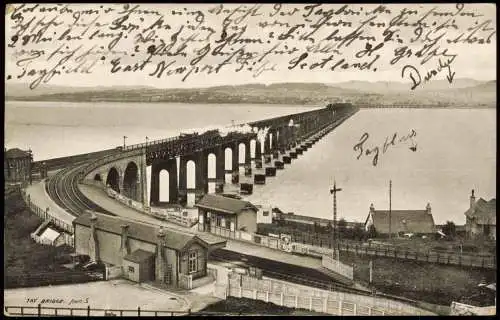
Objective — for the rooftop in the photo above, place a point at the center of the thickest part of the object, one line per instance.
(140, 230)
(416, 221)
(16, 153)
(224, 204)
(483, 211)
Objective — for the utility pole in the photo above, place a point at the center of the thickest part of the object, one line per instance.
(390, 209)
(124, 138)
(370, 264)
(334, 191)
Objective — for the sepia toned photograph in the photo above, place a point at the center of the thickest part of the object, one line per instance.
(246, 159)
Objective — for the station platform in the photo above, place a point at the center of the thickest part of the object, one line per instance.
(100, 197)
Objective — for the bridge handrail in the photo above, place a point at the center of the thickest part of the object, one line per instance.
(149, 143)
(107, 159)
(130, 150)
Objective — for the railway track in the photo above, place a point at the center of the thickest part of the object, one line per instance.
(294, 274)
(63, 189)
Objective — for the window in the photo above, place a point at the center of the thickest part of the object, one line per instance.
(218, 221)
(228, 224)
(131, 269)
(265, 213)
(193, 262)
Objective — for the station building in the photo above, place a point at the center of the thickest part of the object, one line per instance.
(143, 252)
(17, 165)
(223, 215)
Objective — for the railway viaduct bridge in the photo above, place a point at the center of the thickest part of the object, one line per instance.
(257, 142)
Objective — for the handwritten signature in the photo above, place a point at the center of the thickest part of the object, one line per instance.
(389, 141)
(416, 78)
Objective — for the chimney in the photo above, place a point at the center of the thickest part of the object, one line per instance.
(160, 259)
(93, 241)
(472, 199)
(372, 208)
(124, 244)
(428, 208)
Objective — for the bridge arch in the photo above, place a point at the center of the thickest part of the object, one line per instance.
(131, 181)
(228, 160)
(191, 174)
(253, 148)
(211, 171)
(164, 187)
(241, 152)
(211, 164)
(113, 179)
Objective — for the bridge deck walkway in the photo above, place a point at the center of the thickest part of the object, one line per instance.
(100, 197)
(40, 198)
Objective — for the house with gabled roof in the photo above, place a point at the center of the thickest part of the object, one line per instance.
(224, 215)
(481, 219)
(143, 251)
(401, 221)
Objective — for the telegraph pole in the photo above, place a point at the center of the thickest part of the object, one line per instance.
(334, 191)
(390, 209)
(124, 138)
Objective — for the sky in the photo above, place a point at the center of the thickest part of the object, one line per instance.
(477, 61)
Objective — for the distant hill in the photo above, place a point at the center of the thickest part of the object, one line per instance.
(463, 92)
(384, 87)
(21, 89)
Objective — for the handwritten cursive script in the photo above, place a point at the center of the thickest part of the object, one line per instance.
(66, 42)
(376, 151)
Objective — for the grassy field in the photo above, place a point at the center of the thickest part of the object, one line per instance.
(428, 282)
(255, 307)
(21, 253)
(467, 246)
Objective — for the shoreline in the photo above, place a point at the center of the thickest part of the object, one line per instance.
(254, 103)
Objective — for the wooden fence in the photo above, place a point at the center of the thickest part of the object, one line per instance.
(301, 297)
(67, 238)
(461, 309)
(324, 241)
(44, 214)
(274, 242)
(185, 281)
(448, 258)
(338, 267)
(40, 310)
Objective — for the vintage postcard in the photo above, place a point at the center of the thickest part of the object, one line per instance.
(252, 159)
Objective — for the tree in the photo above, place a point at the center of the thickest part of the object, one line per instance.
(342, 226)
(357, 232)
(450, 229)
(316, 225)
(329, 227)
(372, 232)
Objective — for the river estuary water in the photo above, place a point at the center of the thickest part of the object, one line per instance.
(455, 151)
